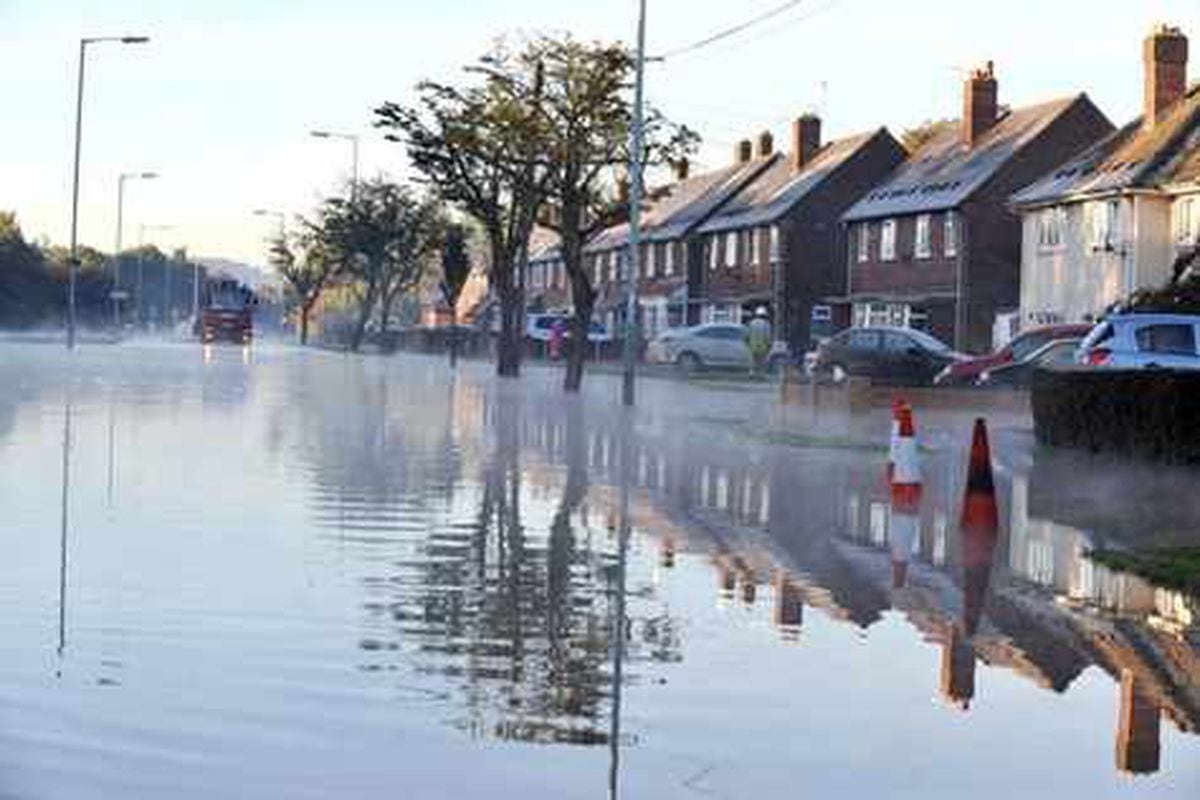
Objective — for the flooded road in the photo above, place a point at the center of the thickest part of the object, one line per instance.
(275, 573)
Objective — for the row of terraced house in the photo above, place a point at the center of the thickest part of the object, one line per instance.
(1008, 218)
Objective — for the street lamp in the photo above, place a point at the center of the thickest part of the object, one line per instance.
(73, 267)
(124, 176)
(629, 351)
(353, 139)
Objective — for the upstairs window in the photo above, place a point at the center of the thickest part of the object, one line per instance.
(923, 245)
(950, 235)
(864, 242)
(651, 260)
(1102, 224)
(774, 243)
(1050, 227)
(752, 249)
(714, 251)
(887, 240)
(731, 249)
(669, 259)
(1185, 221)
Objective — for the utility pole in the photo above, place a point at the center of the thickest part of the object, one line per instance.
(632, 336)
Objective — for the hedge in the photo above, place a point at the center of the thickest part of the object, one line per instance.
(1153, 414)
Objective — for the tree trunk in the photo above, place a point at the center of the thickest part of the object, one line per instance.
(304, 309)
(578, 345)
(508, 350)
(583, 298)
(366, 306)
(453, 336)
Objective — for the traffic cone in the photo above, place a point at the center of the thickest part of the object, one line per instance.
(979, 528)
(897, 406)
(906, 498)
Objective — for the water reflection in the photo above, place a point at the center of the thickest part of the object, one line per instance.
(500, 567)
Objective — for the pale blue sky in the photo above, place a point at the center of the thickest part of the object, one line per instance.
(221, 100)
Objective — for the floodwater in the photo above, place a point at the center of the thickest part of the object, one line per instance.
(274, 573)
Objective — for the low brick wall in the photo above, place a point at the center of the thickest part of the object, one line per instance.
(1153, 414)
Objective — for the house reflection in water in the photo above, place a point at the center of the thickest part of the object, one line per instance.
(1028, 600)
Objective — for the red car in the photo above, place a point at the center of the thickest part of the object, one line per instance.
(965, 373)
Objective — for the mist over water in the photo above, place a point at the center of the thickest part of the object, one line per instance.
(266, 572)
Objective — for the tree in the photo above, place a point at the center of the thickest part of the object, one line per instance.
(588, 119)
(915, 138)
(305, 265)
(382, 237)
(456, 268)
(481, 148)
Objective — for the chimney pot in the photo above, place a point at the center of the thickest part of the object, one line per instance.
(806, 141)
(1165, 57)
(766, 144)
(744, 152)
(980, 104)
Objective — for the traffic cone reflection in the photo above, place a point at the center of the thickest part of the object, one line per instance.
(906, 497)
(789, 603)
(980, 529)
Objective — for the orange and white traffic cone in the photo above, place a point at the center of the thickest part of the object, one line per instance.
(906, 498)
(897, 406)
(979, 528)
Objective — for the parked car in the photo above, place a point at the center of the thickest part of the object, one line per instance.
(898, 355)
(968, 372)
(539, 326)
(714, 345)
(1143, 341)
(1019, 374)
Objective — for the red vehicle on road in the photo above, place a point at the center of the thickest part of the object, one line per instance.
(966, 373)
(228, 313)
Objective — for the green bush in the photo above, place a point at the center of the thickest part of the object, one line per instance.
(1153, 414)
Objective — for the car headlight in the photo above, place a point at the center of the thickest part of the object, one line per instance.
(943, 375)
(985, 377)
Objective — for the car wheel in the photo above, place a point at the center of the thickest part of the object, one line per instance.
(688, 362)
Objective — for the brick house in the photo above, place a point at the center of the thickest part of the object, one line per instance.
(777, 244)
(1116, 218)
(936, 246)
(546, 284)
(669, 244)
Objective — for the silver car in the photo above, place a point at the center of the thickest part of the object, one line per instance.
(714, 345)
(1143, 341)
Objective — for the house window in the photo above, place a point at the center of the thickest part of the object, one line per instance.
(864, 242)
(714, 251)
(753, 248)
(1102, 224)
(651, 260)
(669, 259)
(1050, 227)
(1185, 227)
(923, 247)
(950, 234)
(731, 249)
(887, 240)
(774, 243)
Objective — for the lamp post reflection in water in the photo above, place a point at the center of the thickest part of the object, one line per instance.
(618, 655)
(65, 521)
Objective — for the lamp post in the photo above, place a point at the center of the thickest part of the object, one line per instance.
(73, 267)
(353, 139)
(124, 176)
(629, 350)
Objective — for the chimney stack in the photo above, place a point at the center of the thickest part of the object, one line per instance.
(766, 144)
(1165, 56)
(980, 107)
(683, 168)
(806, 140)
(744, 152)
